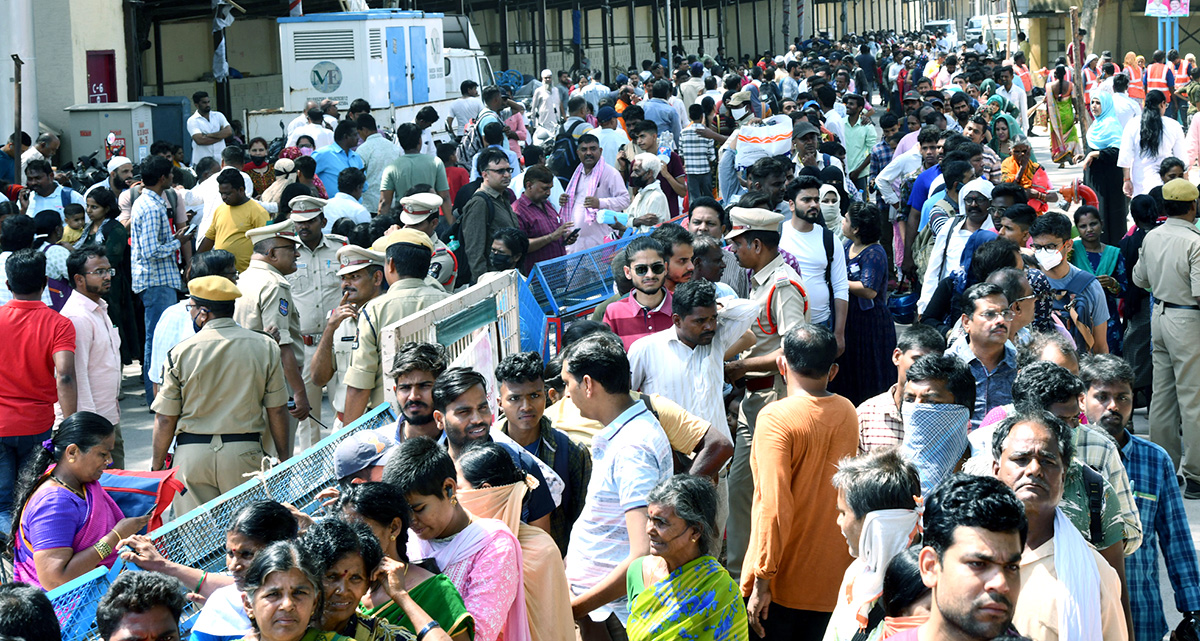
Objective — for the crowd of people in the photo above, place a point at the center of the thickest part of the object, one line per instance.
(865, 372)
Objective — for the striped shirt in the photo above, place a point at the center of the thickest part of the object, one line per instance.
(629, 458)
(697, 152)
(694, 376)
(880, 423)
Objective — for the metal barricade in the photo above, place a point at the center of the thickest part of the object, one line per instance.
(569, 286)
(197, 539)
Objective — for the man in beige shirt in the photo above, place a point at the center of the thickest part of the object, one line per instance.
(783, 304)
(266, 305)
(215, 388)
(361, 274)
(316, 290)
(1031, 452)
(406, 266)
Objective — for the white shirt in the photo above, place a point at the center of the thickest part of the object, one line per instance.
(809, 250)
(546, 110)
(901, 166)
(298, 121)
(210, 192)
(949, 243)
(174, 327)
(649, 200)
(30, 154)
(836, 125)
(427, 145)
(1143, 170)
(321, 136)
(1127, 108)
(343, 205)
(198, 124)
(611, 141)
(53, 201)
(464, 110)
(518, 187)
(662, 364)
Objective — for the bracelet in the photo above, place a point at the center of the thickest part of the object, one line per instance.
(103, 549)
(203, 578)
(425, 630)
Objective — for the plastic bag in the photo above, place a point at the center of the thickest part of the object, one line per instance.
(771, 137)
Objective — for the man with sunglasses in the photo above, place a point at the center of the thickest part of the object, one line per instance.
(487, 211)
(988, 354)
(647, 309)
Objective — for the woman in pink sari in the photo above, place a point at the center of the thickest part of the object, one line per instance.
(65, 524)
(481, 557)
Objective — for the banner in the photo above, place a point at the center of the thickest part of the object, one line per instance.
(1168, 8)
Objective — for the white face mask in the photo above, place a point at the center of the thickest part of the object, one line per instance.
(737, 112)
(1048, 258)
(831, 210)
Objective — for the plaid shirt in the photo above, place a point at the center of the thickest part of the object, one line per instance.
(1165, 525)
(1095, 448)
(579, 472)
(153, 244)
(880, 423)
(697, 152)
(881, 155)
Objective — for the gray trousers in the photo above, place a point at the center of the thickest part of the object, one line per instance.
(741, 481)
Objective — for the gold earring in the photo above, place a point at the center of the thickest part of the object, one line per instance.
(453, 500)
(393, 537)
(70, 460)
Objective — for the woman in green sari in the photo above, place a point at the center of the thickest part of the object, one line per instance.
(383, 509)
(681, 591)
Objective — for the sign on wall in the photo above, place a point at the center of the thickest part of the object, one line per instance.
(1168, 8)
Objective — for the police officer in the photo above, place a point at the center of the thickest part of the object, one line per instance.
(420, 212)
(215, 386)
(407, 253)
(266, 305)
(361, 274)
(777, 289)
(316, 290)
(1169, 265)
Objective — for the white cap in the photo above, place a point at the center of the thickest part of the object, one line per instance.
(117, 162)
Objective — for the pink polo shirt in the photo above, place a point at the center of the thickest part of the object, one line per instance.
(631, 321)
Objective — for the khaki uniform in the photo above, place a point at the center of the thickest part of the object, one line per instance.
(443, 267)
(345, 338)
(1169, 266)
(218, 383)
(405, 296)
(781, 286)
(267, 306)
(316, 290)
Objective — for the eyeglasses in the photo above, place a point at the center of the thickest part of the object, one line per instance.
(102, 272)
(976, 199)
(1020, 300)
(1072, 421)
(505, 171)
(1051, 247)
(189, 307)
(657, 268)
(992, 314)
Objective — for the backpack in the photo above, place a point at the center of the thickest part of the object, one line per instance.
(464, 265)
(563, 157)
(1094, 484)
(1066, 303)
(472, 140)
(827, 238)
(923, 244)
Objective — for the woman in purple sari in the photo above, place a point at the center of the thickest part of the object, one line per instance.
(65, 523)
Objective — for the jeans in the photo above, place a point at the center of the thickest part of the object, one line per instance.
(15, 451)
(156, 299)
(699, 186)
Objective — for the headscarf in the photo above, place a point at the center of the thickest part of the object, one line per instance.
(1105, 131)
(833, 220)
(885, 533)
(1013, 130)
(935, 438)
(978, 185)
(1043, 308)
(1006, 107)
(987, 87)
(978, 238)
(1130, 59)
(292, 152)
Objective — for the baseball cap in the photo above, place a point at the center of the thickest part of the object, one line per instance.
(804, 128)
(358, 451)
(912, 95)
(606, 114)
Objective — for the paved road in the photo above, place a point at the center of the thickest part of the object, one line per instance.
(136, 420)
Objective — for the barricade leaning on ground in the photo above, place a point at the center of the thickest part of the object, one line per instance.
(197, 538)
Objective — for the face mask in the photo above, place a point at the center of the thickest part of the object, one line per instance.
(737, 112)
(1048, 258)
(500, 262)
(831, 210)
(306, 151)
(258, 161)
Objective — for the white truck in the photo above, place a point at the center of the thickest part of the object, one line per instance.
(398, 61)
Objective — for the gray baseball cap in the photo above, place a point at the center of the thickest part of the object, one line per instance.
(361, 450)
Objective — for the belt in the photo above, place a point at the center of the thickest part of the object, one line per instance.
(310, 339)
(759, 384)
(1174, 306)
(185, 438)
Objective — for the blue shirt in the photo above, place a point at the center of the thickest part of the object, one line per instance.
(331, 160)
(920, 189)
(8, 170)
(992, 389)
(666, 118)
(1164, 525)
(153, 246)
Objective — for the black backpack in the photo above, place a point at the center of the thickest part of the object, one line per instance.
(563, 158)
(472, 140)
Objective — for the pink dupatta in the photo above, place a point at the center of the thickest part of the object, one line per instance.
(592, 232)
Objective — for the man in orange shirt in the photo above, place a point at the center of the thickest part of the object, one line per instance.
(797, 555)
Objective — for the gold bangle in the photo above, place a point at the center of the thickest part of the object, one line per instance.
(103, 549)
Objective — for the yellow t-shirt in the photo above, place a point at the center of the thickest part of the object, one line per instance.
(683, 429)
(229, 227)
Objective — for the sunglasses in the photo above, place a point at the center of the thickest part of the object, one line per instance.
(657, 268)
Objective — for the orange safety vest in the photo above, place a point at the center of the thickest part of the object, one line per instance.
(1135, 91)
(1089, 83)
(1181, 71)
(1025, 76)
(1156, 78)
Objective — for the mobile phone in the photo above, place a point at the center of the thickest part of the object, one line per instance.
(191, 229)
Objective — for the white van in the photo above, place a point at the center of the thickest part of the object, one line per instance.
(947, 27)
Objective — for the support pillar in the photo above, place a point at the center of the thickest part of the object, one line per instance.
(633, 61)
(504, 46)
(604, 12)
